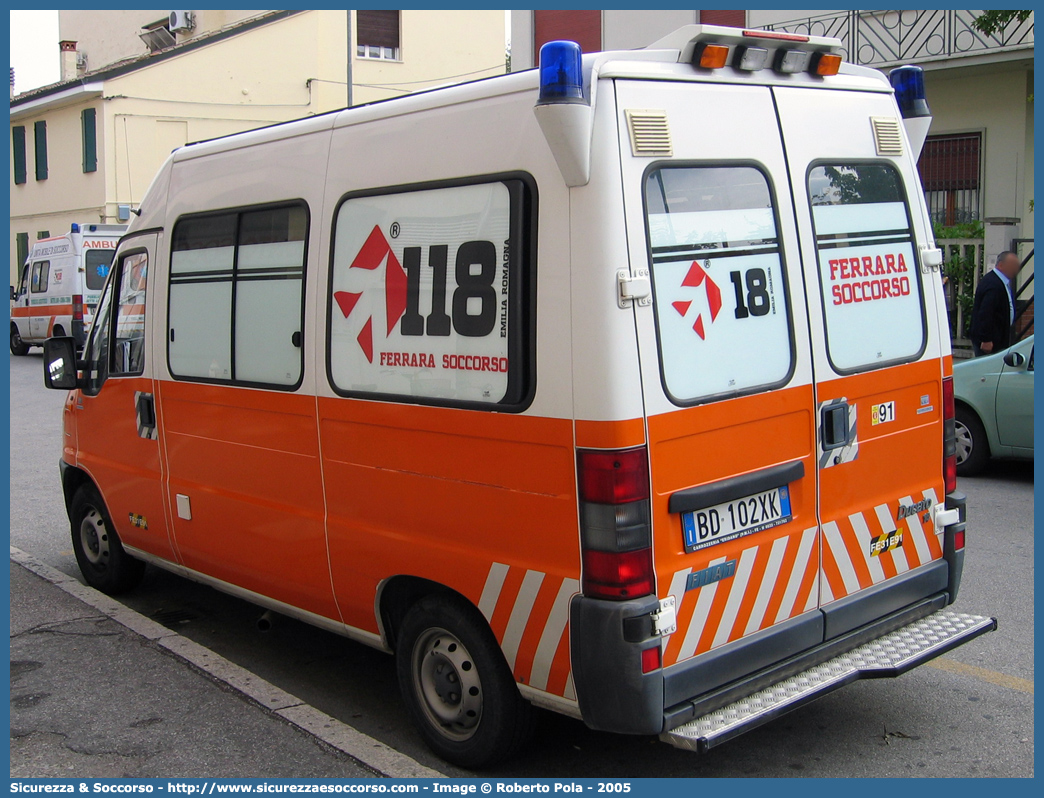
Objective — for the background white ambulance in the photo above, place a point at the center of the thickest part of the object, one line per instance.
(60, 284)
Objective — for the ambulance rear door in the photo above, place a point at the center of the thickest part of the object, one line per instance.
(726, 377)
(877, 358)
(96, 253)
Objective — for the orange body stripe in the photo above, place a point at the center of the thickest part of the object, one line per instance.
(610, 434)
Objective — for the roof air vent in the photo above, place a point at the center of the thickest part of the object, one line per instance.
(650, 134)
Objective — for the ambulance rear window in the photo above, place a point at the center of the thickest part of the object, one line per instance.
(722, 312)
(869, 278)
(97, 263)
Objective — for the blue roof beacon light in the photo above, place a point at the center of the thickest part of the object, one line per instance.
(908, 84)
(561, 73)
(75, 228)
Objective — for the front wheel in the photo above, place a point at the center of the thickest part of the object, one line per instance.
(973, 447)
(103, 562)
(457, 686)
(18, 346)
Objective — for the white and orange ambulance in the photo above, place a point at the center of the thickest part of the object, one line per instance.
(620, 387)
(60, 284)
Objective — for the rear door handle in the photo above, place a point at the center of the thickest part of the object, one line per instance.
(834, 427)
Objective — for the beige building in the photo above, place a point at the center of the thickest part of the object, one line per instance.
(138, 84)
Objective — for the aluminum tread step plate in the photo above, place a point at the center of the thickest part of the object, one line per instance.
(889, 655)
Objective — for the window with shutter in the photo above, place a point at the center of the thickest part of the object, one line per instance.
(90, 139)
(377, 34)
(18, 141)
(949, 167)
(40, 134)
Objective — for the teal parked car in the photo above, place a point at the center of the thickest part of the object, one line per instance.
(994, 407)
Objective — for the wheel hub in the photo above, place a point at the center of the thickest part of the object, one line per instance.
(94, 537)
(448, 684)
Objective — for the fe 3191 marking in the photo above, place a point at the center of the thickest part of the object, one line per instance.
(729, 520)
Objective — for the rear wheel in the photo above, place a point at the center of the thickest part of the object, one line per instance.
(57, 331)
(973, 447)
(18, 346)
(103, 562)
(457, 686)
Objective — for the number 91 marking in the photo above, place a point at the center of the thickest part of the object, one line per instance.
(882, 413)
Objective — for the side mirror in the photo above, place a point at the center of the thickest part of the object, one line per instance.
(14, 296)
(60, 363)
(1014, 359)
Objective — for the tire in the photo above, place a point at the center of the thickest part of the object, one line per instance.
(103, 562)
(57, 331)
(457, 686)
(973, 447)
(18, 346)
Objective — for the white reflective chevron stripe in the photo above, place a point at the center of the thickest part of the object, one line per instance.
(491, 592)
(913, 523)
(737, 592)
(866, 539)
(520, 615)
(827, 595)
(813, 594)
(884, 518)
(841, 556)
(797, 575)
(699, 615)
(678, 582)
(552, 634)
(768, 582)
(569, 692)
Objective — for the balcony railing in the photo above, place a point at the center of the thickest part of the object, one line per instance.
(883, 38)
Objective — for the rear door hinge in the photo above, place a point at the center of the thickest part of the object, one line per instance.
(665, 620)
(633, 288)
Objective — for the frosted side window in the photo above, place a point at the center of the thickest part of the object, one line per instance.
(268, 313)
(236, 288)
(200, 321)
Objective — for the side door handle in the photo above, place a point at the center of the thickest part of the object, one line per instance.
(145, 411)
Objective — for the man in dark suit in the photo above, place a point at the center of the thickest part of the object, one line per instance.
(993, 311)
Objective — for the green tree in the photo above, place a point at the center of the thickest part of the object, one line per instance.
(989, 22)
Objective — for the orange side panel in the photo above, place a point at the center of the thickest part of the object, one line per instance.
(454, 496)
(51, 311)
(249, 462)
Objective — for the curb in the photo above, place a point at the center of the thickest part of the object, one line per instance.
(370, 752)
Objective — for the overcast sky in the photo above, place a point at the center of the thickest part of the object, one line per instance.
(34, 49)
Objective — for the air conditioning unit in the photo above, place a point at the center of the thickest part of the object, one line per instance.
(182, 20)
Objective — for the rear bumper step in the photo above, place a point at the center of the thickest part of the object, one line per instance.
(889, 655)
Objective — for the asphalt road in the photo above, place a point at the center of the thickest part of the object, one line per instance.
(969, 713)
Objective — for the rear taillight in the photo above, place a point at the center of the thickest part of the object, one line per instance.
(949, 436)
(615, 526)
(77, 303)
(651, 659)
